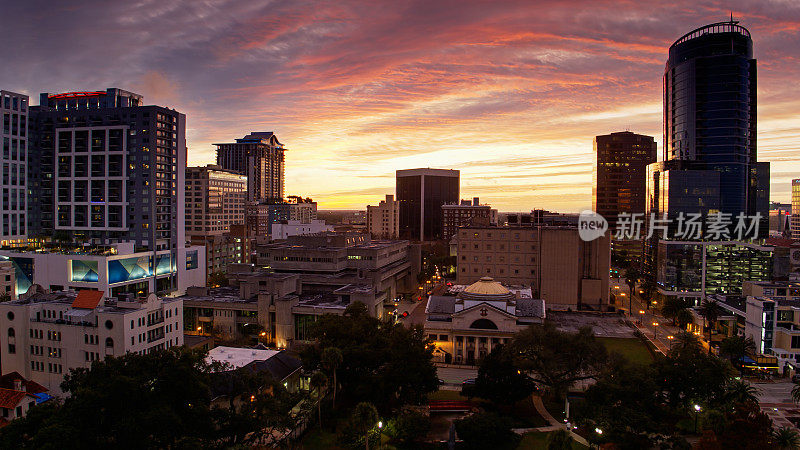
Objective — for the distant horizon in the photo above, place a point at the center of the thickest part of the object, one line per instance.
(511, 93)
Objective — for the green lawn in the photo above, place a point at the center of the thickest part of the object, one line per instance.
(536, 440)
(631, 348)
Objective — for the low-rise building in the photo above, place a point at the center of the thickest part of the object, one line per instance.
(300, 279)
(563, 270)
(48, 333)
(468, 321)
(18, 396)
(283, 368)
(113, 269)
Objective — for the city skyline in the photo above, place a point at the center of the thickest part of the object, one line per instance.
(510, 94)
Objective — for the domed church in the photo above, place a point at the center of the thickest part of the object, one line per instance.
(468, 321)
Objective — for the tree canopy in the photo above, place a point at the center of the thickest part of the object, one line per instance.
(160, 400)
(557, 359)
(383, 363)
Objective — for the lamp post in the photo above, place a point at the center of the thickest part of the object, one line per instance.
(641, 316)
(380, 433)
(697, 409)
(655, 330)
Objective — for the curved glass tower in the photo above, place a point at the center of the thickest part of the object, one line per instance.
(710, 110)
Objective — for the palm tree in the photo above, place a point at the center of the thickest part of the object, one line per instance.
(710, 311)
(796, 393)
(318, 383)
(786, 438)
(672, 306)
(684, 317)
(685, 340)
(365, 416)
(649, 287)
(631, 278)
(331, 360)
(740, 391)
(736, 348)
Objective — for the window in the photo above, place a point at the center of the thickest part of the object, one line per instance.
(12, 348)
(10, 315)
(11, 332)
(109, 324)
(109, 342)
(795, 341)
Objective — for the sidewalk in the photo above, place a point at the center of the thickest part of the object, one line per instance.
(555, 425)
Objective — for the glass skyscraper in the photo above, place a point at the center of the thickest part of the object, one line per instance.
(710, 113)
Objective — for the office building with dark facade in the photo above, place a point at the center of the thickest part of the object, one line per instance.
(709, 126)
(421, 193)
(104, 168)
(259, 156)
(620, 172)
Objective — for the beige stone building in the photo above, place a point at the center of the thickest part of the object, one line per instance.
(215, 200)
(383, 221)
(8, 281)
(298, 280)
(561, 269)
(468, 321)
(45, 334)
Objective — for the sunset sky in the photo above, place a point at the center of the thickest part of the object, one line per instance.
(509, 92)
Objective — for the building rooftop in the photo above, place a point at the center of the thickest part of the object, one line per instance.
(238, 357)
(486, 286)
(224, 294)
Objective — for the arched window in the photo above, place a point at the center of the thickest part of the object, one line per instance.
(11, 332)
(109, 342)
(483, 324)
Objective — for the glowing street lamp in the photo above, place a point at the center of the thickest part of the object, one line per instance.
(697, 409)
(655, 329)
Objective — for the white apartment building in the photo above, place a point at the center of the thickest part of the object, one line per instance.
(383, 221)
(45, 334)
(286, 228)
(13, 178)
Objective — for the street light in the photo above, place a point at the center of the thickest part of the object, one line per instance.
(655, 330)
(697, 409)
(641, 316)
(380, 433)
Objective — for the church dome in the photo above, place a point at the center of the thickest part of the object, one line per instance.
(486, 289)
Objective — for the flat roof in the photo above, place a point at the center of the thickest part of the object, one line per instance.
(238, 357)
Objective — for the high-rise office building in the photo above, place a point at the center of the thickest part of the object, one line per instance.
(620, 185)
(259, 156)
(106, 169)
(13, 179)
(383, 221)
(421, 193)
(215, 200)
(796, 209)
(709, 126)
(710, 113)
